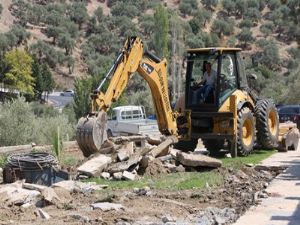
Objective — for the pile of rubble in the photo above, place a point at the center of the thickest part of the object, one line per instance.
(127, 158)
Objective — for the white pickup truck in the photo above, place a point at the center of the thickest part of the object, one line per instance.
(128, 120)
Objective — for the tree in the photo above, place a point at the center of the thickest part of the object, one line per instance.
(229, 6)
(78, 13)
(270, 54)
(124, 9)
(210, 3)
(65, 41)
(3, 44)
(43, 79)
(245, 36)
(267, 28)
(20, 33)
(274, 4)
(241, 6)
(186, 7)
(199, 20)
(53, 32)
(253, 14)
(1, 9)
(82, 103)
(19, 71)
(161, 38)
(99, 14)
(222, 27)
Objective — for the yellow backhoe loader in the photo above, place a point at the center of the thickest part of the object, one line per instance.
(230, 113)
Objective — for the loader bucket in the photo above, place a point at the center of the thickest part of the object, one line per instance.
(91, 133)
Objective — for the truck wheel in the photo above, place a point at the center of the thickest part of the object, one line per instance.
(213, 146)
(267, 124)
(245, 132)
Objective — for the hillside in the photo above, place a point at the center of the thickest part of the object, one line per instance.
(79, 39)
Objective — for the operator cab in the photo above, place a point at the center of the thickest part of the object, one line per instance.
(225, 64)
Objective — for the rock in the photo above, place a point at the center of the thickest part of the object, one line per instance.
(165, 158)
(50, 196)
(125, 151)
(265, 185)
(173, 152)
(14, 194)
(107, 206)
(167, 218)
(118, 175)
(43, 214)
(107, 147)
(197, 160)
(228, 155)
(94, 166)
(77, 186)
(36, 187)
(105, 175)
(180, 168)
(170, 167)
(128, 176)
(80, 217)
(154, 139)
(250, 165)
(122, 166)
(27, 205)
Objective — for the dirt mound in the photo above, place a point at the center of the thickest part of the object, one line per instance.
(155, 169)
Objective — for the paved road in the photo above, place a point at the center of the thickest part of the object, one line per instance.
(58, 101)
(283, 208)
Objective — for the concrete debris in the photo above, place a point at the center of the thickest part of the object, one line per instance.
(122, 166)
(26, 205)
(36, 187)
(167, 218)
(77, 186)
(14, 194)
(180, 168)
(107, 206)
(165, 158)
(43, 214)
(173, 152)
(197, 160)
(125, 151)
(50, 196)
(155, 139)
(163, 148)
(105, 175)
(128, 176)
(118, 175)
(94, 166)
(80, 218)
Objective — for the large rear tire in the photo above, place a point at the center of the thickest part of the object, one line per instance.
(267, 124)
(245, 132)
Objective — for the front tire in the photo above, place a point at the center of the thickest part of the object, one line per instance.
(245, 132)
(267, 124)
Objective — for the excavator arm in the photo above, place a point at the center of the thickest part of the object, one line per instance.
(91, 130)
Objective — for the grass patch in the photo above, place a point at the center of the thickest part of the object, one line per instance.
(254, 158)
(3, 161)
(175, 181)
(70, 160)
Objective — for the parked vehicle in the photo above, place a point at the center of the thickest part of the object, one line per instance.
(289, 113)
(68, 93)
(127, 120)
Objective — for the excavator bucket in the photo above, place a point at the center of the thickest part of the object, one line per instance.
(91, 133)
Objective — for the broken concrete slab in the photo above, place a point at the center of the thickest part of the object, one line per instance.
(94, 166)
(155, 139)
(122, 166)
(125, 152)
(124, 139)
(50, 196)
(118, 175)
(173, 152)
(163, 148)
(165, 158)
(107, 147)
(77, 186)
(128, 176)
(105, 175)
(107, 206)
(194, 160)
(43, 214)
(36, 187)
(14, 194)
(145, 161)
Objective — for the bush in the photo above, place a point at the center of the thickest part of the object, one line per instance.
(19, 124)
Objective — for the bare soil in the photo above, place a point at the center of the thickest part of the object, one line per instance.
(240, 190)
